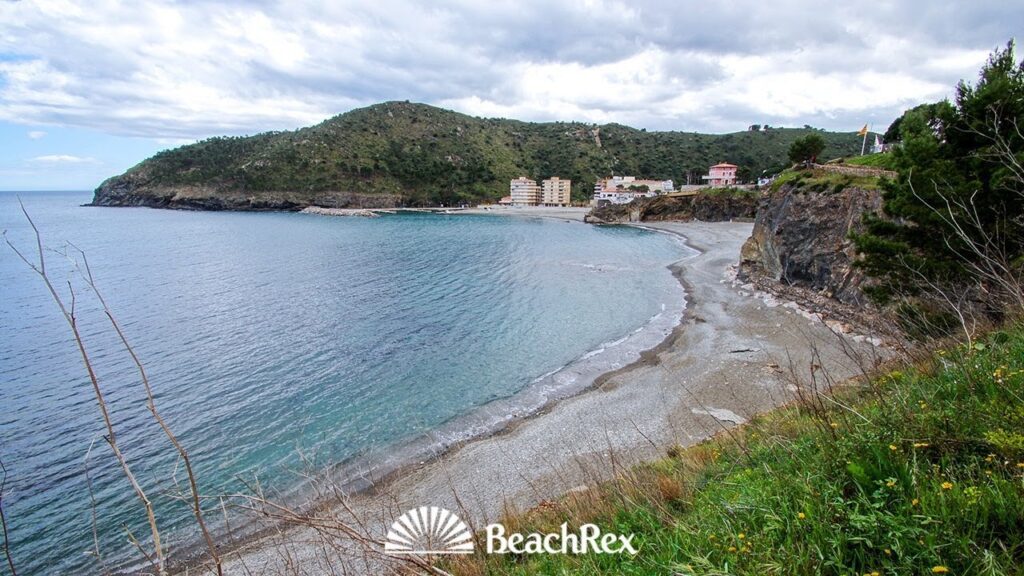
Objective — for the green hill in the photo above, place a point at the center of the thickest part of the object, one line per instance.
(403, 153)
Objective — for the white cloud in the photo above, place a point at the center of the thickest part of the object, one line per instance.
(36, 134)
(182, 71)
(62, 159)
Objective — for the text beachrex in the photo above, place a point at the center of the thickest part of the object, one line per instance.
(433, 530)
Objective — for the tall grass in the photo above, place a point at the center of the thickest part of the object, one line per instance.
(922, 472)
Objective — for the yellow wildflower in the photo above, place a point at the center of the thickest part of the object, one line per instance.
(801, 515)
(947, 485)
(939, 570)
(834, 424)
(711, 537)
(741, 536)
(915, 502)
(732, 548)
(891, 482)
(893, 447)
(1020, 464)
(888, 552)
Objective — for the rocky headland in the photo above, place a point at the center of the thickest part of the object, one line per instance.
(406, 154)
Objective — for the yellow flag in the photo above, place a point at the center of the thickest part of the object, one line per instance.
(863, 131)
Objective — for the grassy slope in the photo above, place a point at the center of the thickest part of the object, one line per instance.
(924, 472)
(433, 154)
(882, 160)
(818, 180)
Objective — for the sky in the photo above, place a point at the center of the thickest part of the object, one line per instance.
(90, 88)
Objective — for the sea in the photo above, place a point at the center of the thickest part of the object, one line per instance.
(285, 345)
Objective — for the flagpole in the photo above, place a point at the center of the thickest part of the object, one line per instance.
(864, 144)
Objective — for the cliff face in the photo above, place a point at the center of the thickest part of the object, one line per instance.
(715, 206)
(801, 239)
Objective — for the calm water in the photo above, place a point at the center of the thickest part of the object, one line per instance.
(270, 335)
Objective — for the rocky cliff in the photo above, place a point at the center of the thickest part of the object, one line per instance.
(710, 206)
(801, 239)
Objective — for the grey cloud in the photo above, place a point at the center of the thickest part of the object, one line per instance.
(120, 72)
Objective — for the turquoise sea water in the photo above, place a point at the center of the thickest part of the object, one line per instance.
(270, 335)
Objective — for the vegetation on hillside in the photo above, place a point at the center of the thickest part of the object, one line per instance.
(431, 155)
(822, 180)
(951, 247)
(806, 148)
(918, 472)
(881, 160)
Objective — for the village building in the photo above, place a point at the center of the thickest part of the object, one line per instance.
(722, 174)
(556, 192)
(625, 189)
(524, 192)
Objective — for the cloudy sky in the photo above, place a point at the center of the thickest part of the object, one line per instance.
(89, 88)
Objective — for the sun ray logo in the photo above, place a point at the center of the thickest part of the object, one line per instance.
(429, 530)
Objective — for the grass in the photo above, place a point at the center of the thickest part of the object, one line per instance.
(882, 160)
(823, 181)
(922, 473)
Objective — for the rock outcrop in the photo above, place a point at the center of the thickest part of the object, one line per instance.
(714, 206)
(801, 239)
(134, 189)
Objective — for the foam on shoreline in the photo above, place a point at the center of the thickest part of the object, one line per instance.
(370, 469)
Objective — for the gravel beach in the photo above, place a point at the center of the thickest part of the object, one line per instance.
(724, 363)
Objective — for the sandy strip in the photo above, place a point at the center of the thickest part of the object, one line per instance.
(720, 367)
(567, 213)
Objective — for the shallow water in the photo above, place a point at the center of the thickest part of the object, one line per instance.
(269, 336)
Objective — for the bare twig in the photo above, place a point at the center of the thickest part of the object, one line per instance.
(111, 437)
(151, 405)
(3, 521)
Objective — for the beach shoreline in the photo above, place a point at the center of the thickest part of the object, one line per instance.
(717, 368)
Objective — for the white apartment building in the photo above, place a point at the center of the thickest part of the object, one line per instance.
(624, 189)
(524, 192)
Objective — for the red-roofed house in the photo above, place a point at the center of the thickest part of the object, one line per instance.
(721, 175)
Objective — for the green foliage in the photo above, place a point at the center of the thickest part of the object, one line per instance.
(955, 163)
(431, 155)
(882, 160)
(920, 471)
(823, 181)
(806, 149)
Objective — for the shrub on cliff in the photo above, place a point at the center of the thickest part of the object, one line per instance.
(806, 149)
(955, 227)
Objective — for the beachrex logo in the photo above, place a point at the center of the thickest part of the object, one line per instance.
(429, 530)
(433, 530)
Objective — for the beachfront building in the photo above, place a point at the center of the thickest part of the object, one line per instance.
(625, 189)
(505, 201)
(634, 183)
(722, 174)
(524, 192)
(556, 192)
